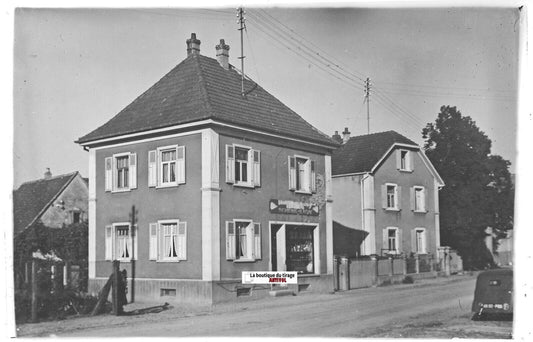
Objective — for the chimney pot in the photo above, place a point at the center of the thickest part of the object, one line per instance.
(193, 45)
(47, 174)
(345, 135)
(337, 137)
(223, 54)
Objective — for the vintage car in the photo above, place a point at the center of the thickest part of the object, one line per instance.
(494, 294)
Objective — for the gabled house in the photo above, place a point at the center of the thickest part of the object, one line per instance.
(222, 181)
(55, 201)
(386, 188)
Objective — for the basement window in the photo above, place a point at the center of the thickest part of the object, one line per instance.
(168, 292)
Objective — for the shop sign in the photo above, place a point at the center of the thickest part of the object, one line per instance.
(292, 207)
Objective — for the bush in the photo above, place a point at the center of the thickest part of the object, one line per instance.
(408, 280)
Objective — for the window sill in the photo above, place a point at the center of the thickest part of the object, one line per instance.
(243, 260)
(167, 261)
(391, 209)
(124, 260)
(302, 192)
(164, 186)
(405, 170)
(420, 211)
(120, 190)
(243, 185)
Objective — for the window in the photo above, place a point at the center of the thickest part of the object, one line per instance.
(391, 196)
(243, 240)
(403, 160)
(119, 244)
(418, 240)
(302, 175)
(391, 240)
(121, 172)
(243, 166)
(168, 241)
(418, 199)
(166, 166)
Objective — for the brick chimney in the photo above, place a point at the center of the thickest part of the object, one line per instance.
(193, 45)
(223, 54)
(337, 137)
(47, 174)
(345, 135)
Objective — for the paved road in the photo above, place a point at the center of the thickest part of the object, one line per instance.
(356, 313)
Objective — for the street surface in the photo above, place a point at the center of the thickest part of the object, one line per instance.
(431, 308)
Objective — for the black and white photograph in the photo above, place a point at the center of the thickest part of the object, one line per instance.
(267, 170)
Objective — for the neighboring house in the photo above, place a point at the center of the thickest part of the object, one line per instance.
(386, 188)
(55, 201)
(221, 183)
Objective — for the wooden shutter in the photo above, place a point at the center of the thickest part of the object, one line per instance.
(385, 239)
(250, 167)
(257, 241)
(399, 240)
(230, 164)
(424, 241)
(182, 240)
(257, 167)
(384, 196)
(180, 165)
(152, 168)
(108, 242)
(313, 177)
(109, 174)
(153, 241)
(292, 173)
(398, 159)
(133, 171)
(230, 240)
(426, 200)
(398, 197)
(135, 241)
(412, 198)
(413, 240)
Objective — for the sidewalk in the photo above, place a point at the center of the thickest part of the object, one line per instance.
(177, 311)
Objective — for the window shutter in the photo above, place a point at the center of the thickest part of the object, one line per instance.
(108, 242)
(412, 198)
(135, 239)
(385, 240)
(230, 240)
(109, 174)
(250, 167)
(384, 196)
(292, 173)
(426, 200)
(398, 197)
(180, 165)
(408, 161)
(413, 240)
(152, 168)
(230, 164)
(398, 159)
(424, 239)
(153, 241)
(257, 167)
(257, 240)
(182, 240)
(133, 171)
(313, 177)
(399, 240)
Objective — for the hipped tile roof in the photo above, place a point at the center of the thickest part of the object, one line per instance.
(361, 153)
(32, 199)
(199, 88)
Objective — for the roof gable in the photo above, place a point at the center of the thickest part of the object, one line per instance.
(32, 199)
(199, 88)
(361, 153)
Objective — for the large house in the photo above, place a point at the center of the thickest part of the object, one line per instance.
(386, 195)
(223, 177)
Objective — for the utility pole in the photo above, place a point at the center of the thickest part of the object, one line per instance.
(367, 99)
(240, 15)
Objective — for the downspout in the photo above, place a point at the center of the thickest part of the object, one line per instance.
(365, 176)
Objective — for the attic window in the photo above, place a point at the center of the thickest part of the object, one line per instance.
(403, 160)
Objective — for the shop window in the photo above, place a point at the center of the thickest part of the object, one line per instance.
(300, 249)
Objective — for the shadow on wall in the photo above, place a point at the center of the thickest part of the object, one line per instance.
(347, 241)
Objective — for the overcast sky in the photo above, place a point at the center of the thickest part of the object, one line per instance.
(76, 68)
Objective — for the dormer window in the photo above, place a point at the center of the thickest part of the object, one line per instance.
(403, 160)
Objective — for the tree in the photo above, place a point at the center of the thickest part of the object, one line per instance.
(479, 192)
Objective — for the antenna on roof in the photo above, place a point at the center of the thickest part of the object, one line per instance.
(240, 15)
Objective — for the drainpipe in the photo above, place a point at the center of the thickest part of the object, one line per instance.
(366, 175)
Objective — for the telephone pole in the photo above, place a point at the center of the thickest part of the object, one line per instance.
(367, 99)
(240, 15)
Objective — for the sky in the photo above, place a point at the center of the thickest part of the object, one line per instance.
(74, 69)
